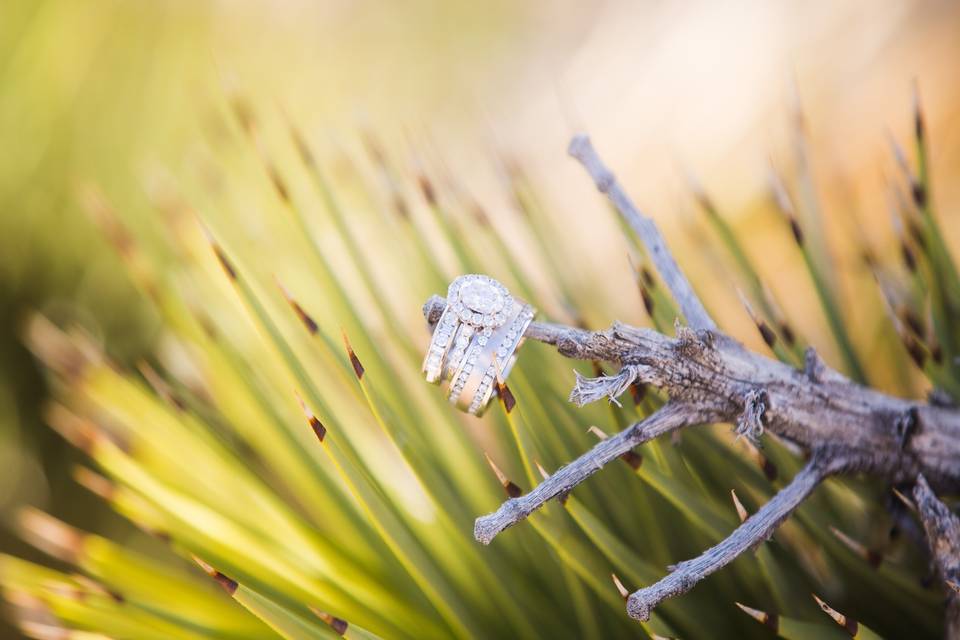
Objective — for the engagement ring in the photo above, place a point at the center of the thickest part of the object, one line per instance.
(475, 341)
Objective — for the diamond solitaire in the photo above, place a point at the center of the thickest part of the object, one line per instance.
(479, 301)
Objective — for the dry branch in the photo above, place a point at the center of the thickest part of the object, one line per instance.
(754, 530)
(644, 226)
(943, 535)
(668, 418)
(710, 377)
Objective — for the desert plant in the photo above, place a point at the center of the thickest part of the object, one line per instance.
(282, 442)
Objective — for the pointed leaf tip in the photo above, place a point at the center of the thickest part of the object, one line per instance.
(770, 620)
(506, 396)
(339, 625)
(354, 360)
(302, 315)
(622, 590)
(597, 431)
(223, 260)
(741, 511)
(318, 429)
(543, 472)
(229, 584)
(872, 557)
(508, 485)
(850, 626)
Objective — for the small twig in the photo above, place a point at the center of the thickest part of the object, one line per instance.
(943, 535)
(754, 530)
(669, 417)
(582, 149)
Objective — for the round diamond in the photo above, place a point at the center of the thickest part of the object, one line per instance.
(481, 296)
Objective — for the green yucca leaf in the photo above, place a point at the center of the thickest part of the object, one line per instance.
(352, 514)
(285, 623)
(791, 628)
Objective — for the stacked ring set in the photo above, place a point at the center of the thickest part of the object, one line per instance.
(475, 341)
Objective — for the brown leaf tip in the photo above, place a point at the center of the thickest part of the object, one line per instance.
(766, 333)
(633, 459)
(919, 193)
(339, 625)
(224, 261)
(787, 333)
(647, 300)
(851, 626)
(647, 278)
(279, 184)
(354, 360)
(318, 429)
(768, 619)
(506, 396)
(229, 584)
(508, 485)
(426, 187)
(304, 317)
(513, 490)
(796, 230)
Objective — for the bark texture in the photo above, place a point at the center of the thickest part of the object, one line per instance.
(708, 376)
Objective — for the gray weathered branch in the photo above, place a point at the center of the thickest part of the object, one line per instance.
(752, 532)
(644, 226)
(943, 535)
(816, 409)
(671, 416)
(710, 377)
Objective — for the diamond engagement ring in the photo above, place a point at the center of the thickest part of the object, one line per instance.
(476, 340)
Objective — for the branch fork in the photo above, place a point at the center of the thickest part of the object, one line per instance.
(710, 377)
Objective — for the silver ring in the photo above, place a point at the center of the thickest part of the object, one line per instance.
(475, 304)
(476, 340)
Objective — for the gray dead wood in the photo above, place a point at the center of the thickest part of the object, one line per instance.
(943, 535)
(710, 377)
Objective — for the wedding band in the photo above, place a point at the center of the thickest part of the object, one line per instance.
(495, 360)
(475, 340)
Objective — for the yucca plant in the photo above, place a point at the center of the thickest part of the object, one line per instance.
(282, 442)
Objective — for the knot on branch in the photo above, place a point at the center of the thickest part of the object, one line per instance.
(751, 421)
(813, 366)
(905, 425)
(692, 343)
(587, 390)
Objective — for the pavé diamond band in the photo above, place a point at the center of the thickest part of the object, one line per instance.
(476, 340)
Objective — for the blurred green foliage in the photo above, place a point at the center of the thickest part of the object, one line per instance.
(204, 447)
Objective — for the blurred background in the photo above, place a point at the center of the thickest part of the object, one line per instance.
(117, 94)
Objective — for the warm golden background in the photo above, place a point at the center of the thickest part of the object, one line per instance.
(119, 94)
